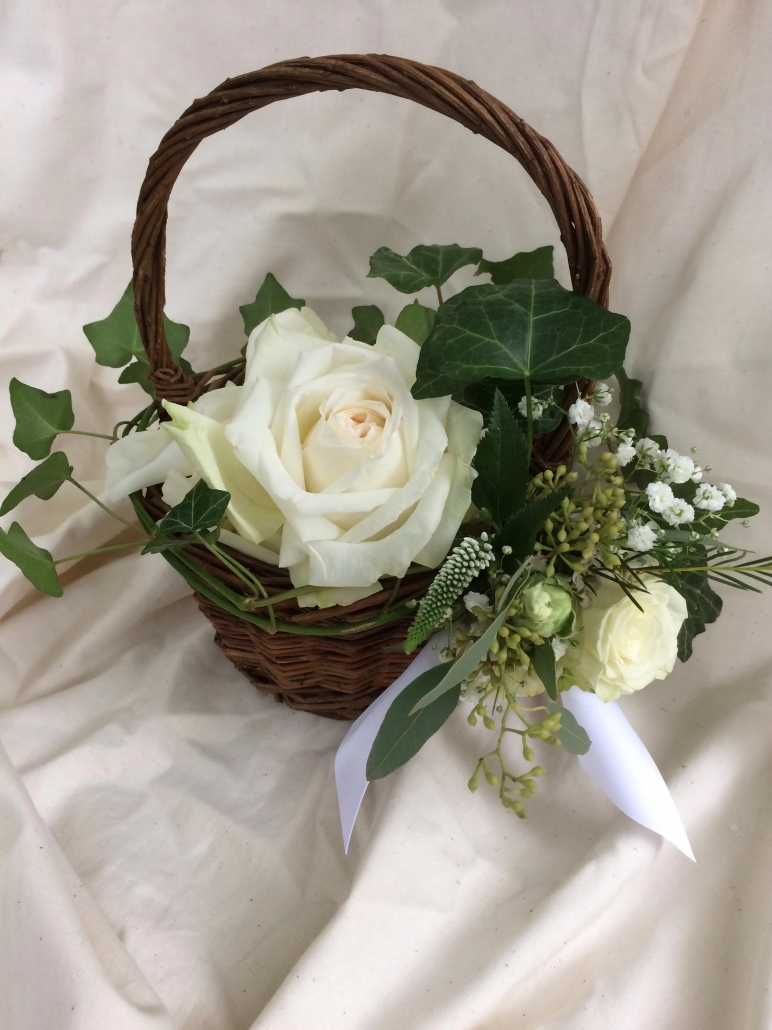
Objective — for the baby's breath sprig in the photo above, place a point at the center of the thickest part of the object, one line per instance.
(464, 563)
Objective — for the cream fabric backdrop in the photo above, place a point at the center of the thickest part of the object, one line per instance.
(171, 852)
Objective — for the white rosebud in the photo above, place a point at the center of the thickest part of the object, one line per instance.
(475, 600)
(625, 453)
(642, 538)
(678, 512)
(708, 497)
(674, 467)
(729, 495)
(537, 407)
(647, 448)
(601, 395)
(659, 496)
(581, 414)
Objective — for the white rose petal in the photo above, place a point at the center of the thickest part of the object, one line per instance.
(710, 498)
(659, 496)
(678, 512)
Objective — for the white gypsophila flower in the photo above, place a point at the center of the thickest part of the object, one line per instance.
(678, 512)
(642, 538)
(559, 647)
(537, 407)
(648, 448)
(581, 414)
(709, 498)
(696, 476)
(659, 496)
(593, 434)
(474, 600)
(602, 395)
(625, 453)
(729, 495)
(674, 467)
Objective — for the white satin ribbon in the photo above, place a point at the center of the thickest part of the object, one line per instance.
(617, 760)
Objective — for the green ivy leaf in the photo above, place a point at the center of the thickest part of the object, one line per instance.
(416, 321)
(40, 417)
(138, 372)
(116, 339)
(501, 462)
(35, 563)
(573, 737)
(402, 735)
(270, 300)
(424, 266)
(543, 659)
(201, 509)
(632, 414)
(480, 397)
(522, 528)
(42, 481)
(526, 330)
(703, 605)
(368, 319)
(532, 264)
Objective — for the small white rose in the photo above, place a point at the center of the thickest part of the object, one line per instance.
(622, 648)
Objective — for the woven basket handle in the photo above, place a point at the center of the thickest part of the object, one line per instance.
(442, 91)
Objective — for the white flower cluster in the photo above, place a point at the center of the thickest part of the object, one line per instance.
(589, 429)
(537, 407)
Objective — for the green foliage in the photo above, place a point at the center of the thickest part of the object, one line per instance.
(521, 529)
(543, 659)
(368, 319)
(402, 733)
(40, 417)
(532, 264)
(42, 481)
(480, 397)
(741, 509)
(501, 462)
(271, 298)
(34, 562)
(201, 509)
(416, 321)
(632, 414)
(138, 372)
(526, 330)
(573, 737)
(702, 603)
(423, 266)
(116, 340)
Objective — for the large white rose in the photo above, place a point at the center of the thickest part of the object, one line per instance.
(335, 471)
(622, 648)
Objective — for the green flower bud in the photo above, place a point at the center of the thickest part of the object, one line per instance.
(546, 606)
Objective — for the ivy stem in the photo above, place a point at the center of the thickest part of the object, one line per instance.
(529, 411)
(104, 507)
(439, 294)
(82, 432)
(99, 550)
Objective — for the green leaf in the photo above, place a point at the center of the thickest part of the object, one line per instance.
(543, 659)
(423, 266)
(270, 300)
(368, 319)
(201, 509)
(702, 603)
(573, 737)
(40, 417)
(35, 563)
(520, 531)
(532, 264)
(416, 321)
(138, 372)
(480, 397)
(529, 329)
(632, 414)
(403, 734)
(42, 481)
(116, 339)
(741, 509)
(501, 462)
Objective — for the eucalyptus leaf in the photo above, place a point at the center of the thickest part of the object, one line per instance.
(40, 417)
(501, 461)
(521, 529)
(402, 733)
(572, 736)
(42, 482)
(632, 414)
(424, 266)
(368, 319)
(271, 298)
(528, 329)
(201, 509)
(416, 321)
(33, 561)
(116, 339)
(543, 660)
(532, 264)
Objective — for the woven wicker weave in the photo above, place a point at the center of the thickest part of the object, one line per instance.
(337, 676)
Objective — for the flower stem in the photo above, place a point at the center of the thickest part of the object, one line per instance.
(529, 413)
(439, 294)
(104, 507)
(82, 432)
(98, 550)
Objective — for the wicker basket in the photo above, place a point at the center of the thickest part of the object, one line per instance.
(337, 676)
